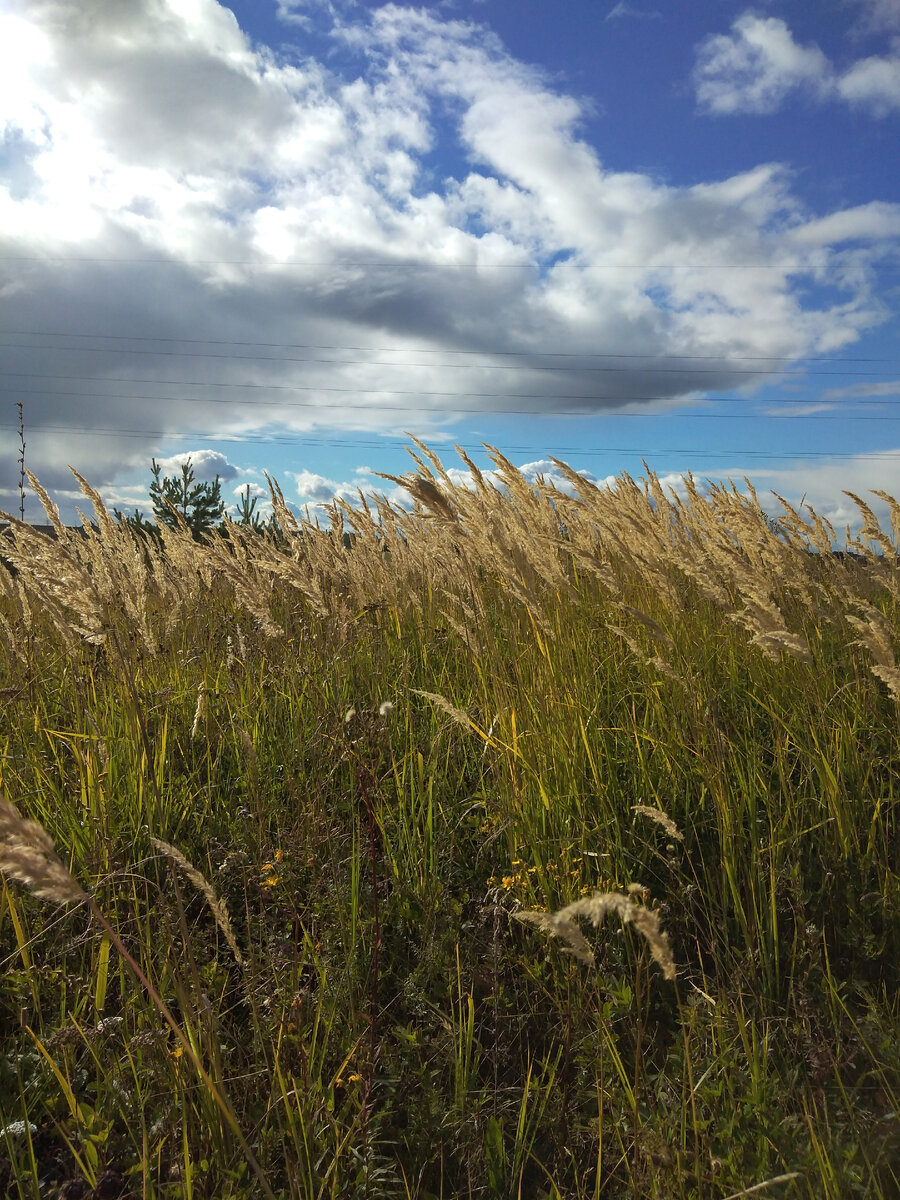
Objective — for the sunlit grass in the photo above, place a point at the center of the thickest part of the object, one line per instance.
(308, 787)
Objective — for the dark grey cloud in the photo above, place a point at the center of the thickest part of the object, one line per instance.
(288, 205)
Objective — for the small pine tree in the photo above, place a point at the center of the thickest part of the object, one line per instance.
(199, 505)
(247, 514)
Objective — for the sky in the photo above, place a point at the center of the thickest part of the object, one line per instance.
(281, 235)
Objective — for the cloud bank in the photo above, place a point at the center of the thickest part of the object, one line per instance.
(251, 240)
(759, 64)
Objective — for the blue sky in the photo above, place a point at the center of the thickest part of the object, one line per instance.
(278, 234)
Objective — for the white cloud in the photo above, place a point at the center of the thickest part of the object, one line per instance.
(207, 464)
(797, 410)
(874, 83)
(822, 485)
(623, 10)
(863, 390)
(879, 15)
(253, 490)
(543, 470)
(316, 489)
(755, 67)
(157, 131)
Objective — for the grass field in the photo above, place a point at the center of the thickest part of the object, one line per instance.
(304, 787)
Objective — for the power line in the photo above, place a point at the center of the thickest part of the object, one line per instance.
(362, 362)
(127, 337)
(285, 387)
(294, 439)
(413, 266)
(524, 412)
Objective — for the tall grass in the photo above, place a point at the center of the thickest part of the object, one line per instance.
(298, 787)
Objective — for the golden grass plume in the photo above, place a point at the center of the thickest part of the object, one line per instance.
(27, 854)
(661, 818)
(217, 907)
(594, 908)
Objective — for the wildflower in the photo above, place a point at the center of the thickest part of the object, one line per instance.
(271, 876)
(17, 1128)
(385, 709)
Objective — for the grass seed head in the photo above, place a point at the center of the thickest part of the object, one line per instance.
(661, 818)
(27, 854)
(218, 909)
(562, 924)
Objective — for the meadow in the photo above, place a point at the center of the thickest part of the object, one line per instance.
(532, 843)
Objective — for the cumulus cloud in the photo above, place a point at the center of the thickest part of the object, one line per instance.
(207, 464)
(162, 178)
(879, 15)
(755, 67)
(253, 490)
(823, 486)
(317, 489)
(874, 83)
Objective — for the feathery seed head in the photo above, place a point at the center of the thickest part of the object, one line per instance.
(563, 924)
(27, 854)
(218, 909)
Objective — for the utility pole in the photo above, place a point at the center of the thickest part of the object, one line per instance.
(21, 460)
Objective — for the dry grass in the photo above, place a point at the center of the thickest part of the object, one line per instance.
(27, 854)
(596, 908)
(602, 644)
(205, 888)
(661, 818)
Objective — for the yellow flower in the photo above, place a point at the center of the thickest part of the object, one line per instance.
(354, 1078)
(279, 856)
(270, 881)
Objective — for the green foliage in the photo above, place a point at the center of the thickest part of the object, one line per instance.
(198, 505)
(247, 516)
(182, 499)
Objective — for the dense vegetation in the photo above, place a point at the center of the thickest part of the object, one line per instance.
(301, 785)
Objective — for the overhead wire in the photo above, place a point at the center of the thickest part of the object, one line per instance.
(361, 362)
(519, 412)
(343, 441)
(298, 438)
(407, 265)
(488, 353)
